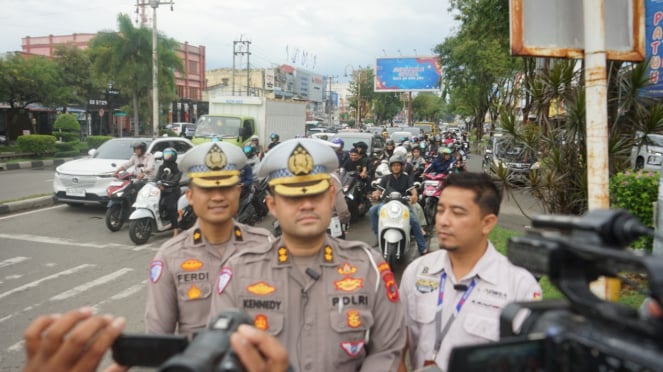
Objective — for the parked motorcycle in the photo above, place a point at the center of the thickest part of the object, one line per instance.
(122, 194)
(252, 205)
(394, 238)
(149, 216)
(355, 194)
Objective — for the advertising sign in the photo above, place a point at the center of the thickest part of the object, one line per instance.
(407, 74)
(653, 47)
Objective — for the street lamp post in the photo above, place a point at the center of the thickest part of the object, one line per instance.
(155, 74)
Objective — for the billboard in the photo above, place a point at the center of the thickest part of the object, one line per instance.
(407, 74)
(653, 47)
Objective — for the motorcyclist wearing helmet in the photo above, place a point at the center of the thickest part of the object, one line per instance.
(246, 173)
(397, 181)
(418, 162)
(140, 157)
(274, 137)
(443, 163)
(389, 147)
(341, 154)
(255, 142)
(169, 177)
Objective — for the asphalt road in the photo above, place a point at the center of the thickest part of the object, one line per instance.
(21, 183)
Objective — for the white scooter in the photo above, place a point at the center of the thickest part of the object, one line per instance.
(394, 236)
(148, 217)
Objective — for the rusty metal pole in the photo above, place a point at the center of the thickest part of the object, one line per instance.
(597, 115)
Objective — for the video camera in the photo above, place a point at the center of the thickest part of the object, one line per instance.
(208, 351)
(583, 332)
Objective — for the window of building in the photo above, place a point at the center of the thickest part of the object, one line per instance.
(193, 93)
(180, 91)
(193, 67)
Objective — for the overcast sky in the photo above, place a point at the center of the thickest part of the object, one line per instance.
(335, 36)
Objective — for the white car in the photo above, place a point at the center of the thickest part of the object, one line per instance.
(647, 154)
(84, 181)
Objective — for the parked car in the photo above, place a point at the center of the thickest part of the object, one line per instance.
(514, 157)
(647, 152)
(182, 129)
(84, 181)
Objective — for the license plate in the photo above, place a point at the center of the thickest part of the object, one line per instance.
(75, 191)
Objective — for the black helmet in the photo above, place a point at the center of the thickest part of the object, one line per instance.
(141, 145)
(362, 145)
(274, 137)
(169, 154)
(390, 142)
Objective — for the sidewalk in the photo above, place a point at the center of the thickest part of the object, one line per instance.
(40, 202)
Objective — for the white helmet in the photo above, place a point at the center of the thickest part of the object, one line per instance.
(400, 151)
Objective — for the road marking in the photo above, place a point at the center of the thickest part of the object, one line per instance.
(12, 261)
(50, 277)
(84, 287)
(69, 242)
(17, 347)
(31, 212)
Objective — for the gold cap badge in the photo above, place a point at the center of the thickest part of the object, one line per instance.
(215, 158)
(300, 162)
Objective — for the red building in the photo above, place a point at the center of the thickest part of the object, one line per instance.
(189, 84)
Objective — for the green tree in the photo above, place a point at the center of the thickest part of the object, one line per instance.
(125, 57)
(25, 80)
(361, 89)
(78, 80)
(426, 107)
(386, 106)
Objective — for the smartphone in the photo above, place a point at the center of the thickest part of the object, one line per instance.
(143, 350)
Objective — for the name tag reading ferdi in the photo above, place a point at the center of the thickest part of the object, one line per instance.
(335, 227)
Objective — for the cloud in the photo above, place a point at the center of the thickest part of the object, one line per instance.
(340, 34)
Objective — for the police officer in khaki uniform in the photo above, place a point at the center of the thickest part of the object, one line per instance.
(183, 273)
(334, 304)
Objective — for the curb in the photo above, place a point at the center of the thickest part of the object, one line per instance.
(34, 163)
(28, 204)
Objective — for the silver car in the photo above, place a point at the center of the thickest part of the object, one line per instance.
(647, 153)
(84, 181)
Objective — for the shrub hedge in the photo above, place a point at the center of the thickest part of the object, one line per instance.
(38, 144)
(636, 192)
(67, 128)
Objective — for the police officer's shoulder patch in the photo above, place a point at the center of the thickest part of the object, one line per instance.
(156, 268)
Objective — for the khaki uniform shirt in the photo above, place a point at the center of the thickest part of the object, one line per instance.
(182, 277)
(345, 315)
(498, 282)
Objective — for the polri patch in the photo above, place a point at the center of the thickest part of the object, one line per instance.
(224, 278)
(390, 285)
(353, 318)
(156, 268)
(352, 348)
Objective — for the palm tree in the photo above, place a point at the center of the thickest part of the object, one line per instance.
(125, 57)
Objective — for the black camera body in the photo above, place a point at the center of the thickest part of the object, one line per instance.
(583, 332)
(208, 351)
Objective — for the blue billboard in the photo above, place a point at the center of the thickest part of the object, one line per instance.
(654, 47)
(407, 74)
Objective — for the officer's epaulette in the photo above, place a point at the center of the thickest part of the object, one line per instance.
(197, 236)
(238, 234)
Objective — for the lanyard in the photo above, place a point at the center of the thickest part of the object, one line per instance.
(440, 333)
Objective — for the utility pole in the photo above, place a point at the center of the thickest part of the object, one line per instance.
(248, 55)
(155, 62)
(329, 99)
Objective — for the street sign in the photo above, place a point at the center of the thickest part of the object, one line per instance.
(554, 28)
(101, 113)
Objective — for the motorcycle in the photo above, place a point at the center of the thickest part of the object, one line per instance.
(122, 194)
(394, 231)
(355, 195)
(150, 216)
(252, 206)
(431, 189)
